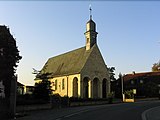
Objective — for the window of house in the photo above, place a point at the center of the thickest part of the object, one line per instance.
(55, 84)
(141, 81)
(1, 51)
(132, 82)
(63, 84)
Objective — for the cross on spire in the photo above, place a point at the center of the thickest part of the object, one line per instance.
(90, 10)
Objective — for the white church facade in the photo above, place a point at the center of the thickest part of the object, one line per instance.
(81, 72)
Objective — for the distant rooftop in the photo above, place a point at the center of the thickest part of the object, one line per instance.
(145, 74)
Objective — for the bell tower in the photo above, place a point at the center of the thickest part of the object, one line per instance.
(90, 34)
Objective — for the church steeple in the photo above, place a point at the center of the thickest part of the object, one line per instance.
(90, 34)
(90, 10)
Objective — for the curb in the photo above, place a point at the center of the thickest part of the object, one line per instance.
(144, 117)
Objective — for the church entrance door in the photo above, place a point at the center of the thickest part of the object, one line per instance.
(95, 88)
(85, 87)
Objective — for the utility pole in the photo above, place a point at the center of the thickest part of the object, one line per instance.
(122, 85)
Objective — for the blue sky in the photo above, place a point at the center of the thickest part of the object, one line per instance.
(128, 32)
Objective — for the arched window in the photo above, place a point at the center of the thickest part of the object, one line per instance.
(55, 84)
(63, 84)
(75, 87)
(87, 40)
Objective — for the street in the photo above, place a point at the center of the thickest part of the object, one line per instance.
(122, 111)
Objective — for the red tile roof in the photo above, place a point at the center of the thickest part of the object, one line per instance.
(135, 75)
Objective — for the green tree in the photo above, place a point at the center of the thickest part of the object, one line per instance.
(156, 67)
(111, 71)
(43, 88)
(9, 57)
(129, 94)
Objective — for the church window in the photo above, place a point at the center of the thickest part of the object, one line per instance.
(132, 82)
(55, 84)
(87, 40)
(63, 84)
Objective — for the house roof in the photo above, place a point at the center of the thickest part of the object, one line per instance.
(136, 75)
(19, 84)
(68, 63)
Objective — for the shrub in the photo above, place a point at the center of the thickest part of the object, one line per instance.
(129, 94)
(28, 100)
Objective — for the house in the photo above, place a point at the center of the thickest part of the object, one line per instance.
(81, 72)
(147, 84)
(20, 88)
(28, 89)
(24, 89)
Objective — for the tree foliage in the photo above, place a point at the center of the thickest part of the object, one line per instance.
(43, 88)
(9, 57)
(129, 94)
(8, 49)
(111, 73)
(156, 67)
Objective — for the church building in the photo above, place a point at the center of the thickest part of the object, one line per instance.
(81, 72)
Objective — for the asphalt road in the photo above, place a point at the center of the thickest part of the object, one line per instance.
(129, 111)
(122, 111)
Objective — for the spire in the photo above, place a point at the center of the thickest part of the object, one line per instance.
(90, 10)
(91, 34)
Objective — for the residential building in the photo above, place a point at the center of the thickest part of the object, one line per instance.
(20, 88)
(28, 89)
(24, 89)
(146, 84)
